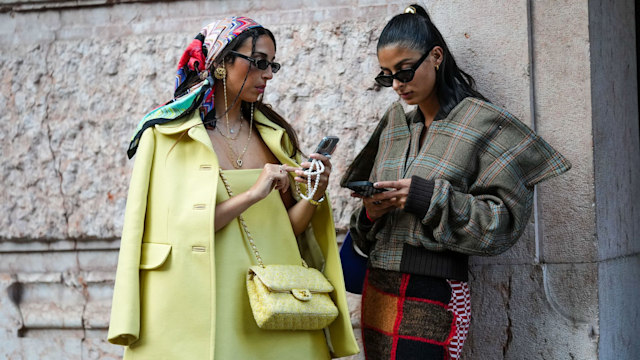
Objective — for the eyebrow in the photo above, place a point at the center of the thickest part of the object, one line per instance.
(262, 54)
(397, 65)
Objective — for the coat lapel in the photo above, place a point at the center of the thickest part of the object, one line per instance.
(192, 124)
(199, 133)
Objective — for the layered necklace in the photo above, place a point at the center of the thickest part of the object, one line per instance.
(231, 131)
(236, 161)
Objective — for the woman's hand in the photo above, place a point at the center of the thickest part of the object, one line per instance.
(397, 196)
(273, 176)
(324, 177)
(379, 204)
(301, 213)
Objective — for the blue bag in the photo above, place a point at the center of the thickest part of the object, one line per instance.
(354, 266)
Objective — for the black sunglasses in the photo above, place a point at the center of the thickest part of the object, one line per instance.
(261, 64)
(404, 75)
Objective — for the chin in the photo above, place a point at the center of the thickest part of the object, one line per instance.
(250, 98)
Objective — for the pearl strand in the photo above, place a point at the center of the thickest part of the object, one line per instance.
(316, 168)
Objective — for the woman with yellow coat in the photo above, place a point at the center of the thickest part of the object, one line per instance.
(180, 285)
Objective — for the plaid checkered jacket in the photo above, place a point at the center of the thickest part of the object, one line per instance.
(480, 165)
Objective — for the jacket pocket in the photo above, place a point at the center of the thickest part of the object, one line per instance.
(154, 255)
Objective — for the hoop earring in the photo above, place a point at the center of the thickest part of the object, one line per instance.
(220, 73)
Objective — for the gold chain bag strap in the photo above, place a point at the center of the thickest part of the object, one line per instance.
(287, 297)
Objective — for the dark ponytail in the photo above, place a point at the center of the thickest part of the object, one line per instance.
(417, 32)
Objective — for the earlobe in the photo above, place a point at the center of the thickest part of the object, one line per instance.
(437, 60)
(437, 56)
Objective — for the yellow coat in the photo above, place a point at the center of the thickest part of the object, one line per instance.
(165, 292)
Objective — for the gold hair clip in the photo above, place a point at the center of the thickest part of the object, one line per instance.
(410, 10)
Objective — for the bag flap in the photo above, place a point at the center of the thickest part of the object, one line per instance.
(284, 278)
(153, 255)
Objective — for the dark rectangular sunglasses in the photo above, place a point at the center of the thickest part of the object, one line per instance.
(404, 75)
(261, 64)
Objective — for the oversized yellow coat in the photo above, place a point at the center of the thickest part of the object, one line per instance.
(165, 292)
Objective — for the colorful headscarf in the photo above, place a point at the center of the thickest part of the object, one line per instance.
(194, 64)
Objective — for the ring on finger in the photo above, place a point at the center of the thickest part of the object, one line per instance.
(377, 202)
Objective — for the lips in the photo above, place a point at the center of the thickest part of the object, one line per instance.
(406, 95)
(261, 88)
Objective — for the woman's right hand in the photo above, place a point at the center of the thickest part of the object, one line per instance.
(375, 207)
(273, 176)
(379, 204)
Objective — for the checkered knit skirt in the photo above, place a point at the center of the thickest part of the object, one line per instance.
(407, 316)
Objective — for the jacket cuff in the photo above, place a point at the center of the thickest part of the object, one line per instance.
(363, 221)
(419, 197)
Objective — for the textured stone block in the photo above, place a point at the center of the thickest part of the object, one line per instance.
(526, 321)
(560, 31)
(618, 293)
(10, 317)
(615, 126)
(96, 347)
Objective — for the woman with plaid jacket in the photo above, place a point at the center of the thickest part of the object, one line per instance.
(459, 174)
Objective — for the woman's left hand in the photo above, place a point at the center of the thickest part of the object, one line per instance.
(302, 178)
(397, 196)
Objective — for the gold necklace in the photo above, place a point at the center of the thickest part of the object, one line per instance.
(231, 131)
(238, 158)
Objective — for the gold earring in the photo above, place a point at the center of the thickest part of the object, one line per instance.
(226, 105)
(437, 67)
(220, 73)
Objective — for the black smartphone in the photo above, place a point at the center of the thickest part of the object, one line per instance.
(364, 188)
(327, 145)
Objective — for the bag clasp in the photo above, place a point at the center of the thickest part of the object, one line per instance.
(301, 294)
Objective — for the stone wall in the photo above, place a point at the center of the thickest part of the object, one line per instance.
(617, 175)
(77, 76)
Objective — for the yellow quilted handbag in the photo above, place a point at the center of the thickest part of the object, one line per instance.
(290, 297)
(287, 297)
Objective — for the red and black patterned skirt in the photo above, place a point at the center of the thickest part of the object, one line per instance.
(406, 316)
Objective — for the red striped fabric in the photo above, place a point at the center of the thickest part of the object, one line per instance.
(460, 306)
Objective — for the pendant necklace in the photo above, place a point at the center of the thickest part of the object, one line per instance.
(237, 163)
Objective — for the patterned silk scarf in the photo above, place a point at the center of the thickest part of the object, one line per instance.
(194, 64)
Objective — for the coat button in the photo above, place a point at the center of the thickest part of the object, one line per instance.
(198, 249)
